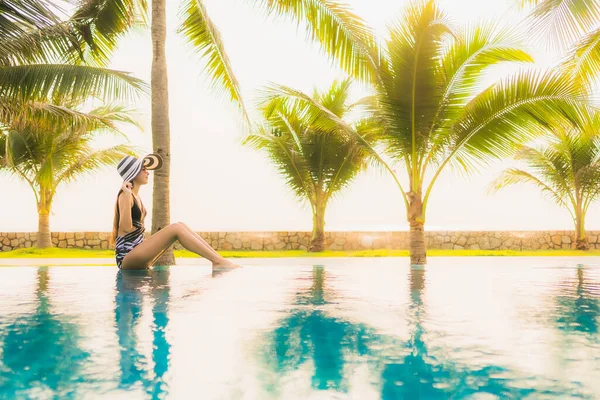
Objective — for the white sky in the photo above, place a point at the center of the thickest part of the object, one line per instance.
(219, 185)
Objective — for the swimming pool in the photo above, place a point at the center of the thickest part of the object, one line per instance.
(304, 329)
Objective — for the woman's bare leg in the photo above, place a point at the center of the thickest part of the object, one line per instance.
(146, 252)
(198, 237)
(223, 263)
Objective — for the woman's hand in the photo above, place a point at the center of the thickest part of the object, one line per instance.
(127, 186)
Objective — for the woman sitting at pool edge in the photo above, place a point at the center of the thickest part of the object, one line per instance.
(131, 250)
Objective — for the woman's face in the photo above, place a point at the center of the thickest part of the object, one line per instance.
(142, 177)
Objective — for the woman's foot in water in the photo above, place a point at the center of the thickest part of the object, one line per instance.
(225, 264)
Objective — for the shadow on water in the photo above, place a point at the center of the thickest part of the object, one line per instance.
(41, 353)
(311, 335)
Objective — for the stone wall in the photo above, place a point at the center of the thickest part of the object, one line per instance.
(489, 240)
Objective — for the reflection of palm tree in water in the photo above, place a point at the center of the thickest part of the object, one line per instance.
(332, 343)
(131, 288)
(578, 305)
(413, 377)
(421, 375)
(309, 333)
(41, 351)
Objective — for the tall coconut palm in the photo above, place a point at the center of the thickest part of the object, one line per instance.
(567, 168)
(47, 153)
(330, 23)
(40, 57)
(434, 112)
(316, 160)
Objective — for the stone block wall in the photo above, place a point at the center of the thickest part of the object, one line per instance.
(456, 240)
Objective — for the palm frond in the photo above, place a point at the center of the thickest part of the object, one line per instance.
(107, 118)
(322, 119)
(553, 163)
(38, 45)
(89, 161)
(14, 112)
(203, 35)
(68, 82)
(566, 166)
(584, 60)
(513, 176)
(355, 156)
(47, 154)
(527, 3)
(342, 34)
(299, 100)
(19, 15)
(561, 22)
(331, 149)
(471, 53)
(517, 109)
(100, 24)
(51, 117)
(281, 151)
(410, 89)
(335, 99)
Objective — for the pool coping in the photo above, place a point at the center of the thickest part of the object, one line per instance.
(33, 262)
(282, 261)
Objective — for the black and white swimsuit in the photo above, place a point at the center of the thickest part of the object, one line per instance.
(124, 244)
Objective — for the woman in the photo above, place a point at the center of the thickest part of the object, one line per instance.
(132, 251)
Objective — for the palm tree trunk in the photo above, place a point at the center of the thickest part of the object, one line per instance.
(160, 125)
(416, 220)
(43, 237)
(581, 241)
(44, 240)
(318, 236)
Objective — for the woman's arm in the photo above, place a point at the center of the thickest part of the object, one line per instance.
(125, 219)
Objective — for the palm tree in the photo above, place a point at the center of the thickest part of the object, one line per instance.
(46, 153)
(40, 63)
(41, 78)
(567, 168)
(433, 111)
(341, 34)
(316, 160)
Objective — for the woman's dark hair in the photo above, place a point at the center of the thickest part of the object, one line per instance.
(116, 221)
(117, 218)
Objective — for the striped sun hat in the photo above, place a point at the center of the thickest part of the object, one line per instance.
(130, 166)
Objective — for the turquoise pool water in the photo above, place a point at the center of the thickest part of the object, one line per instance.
(480, 328)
